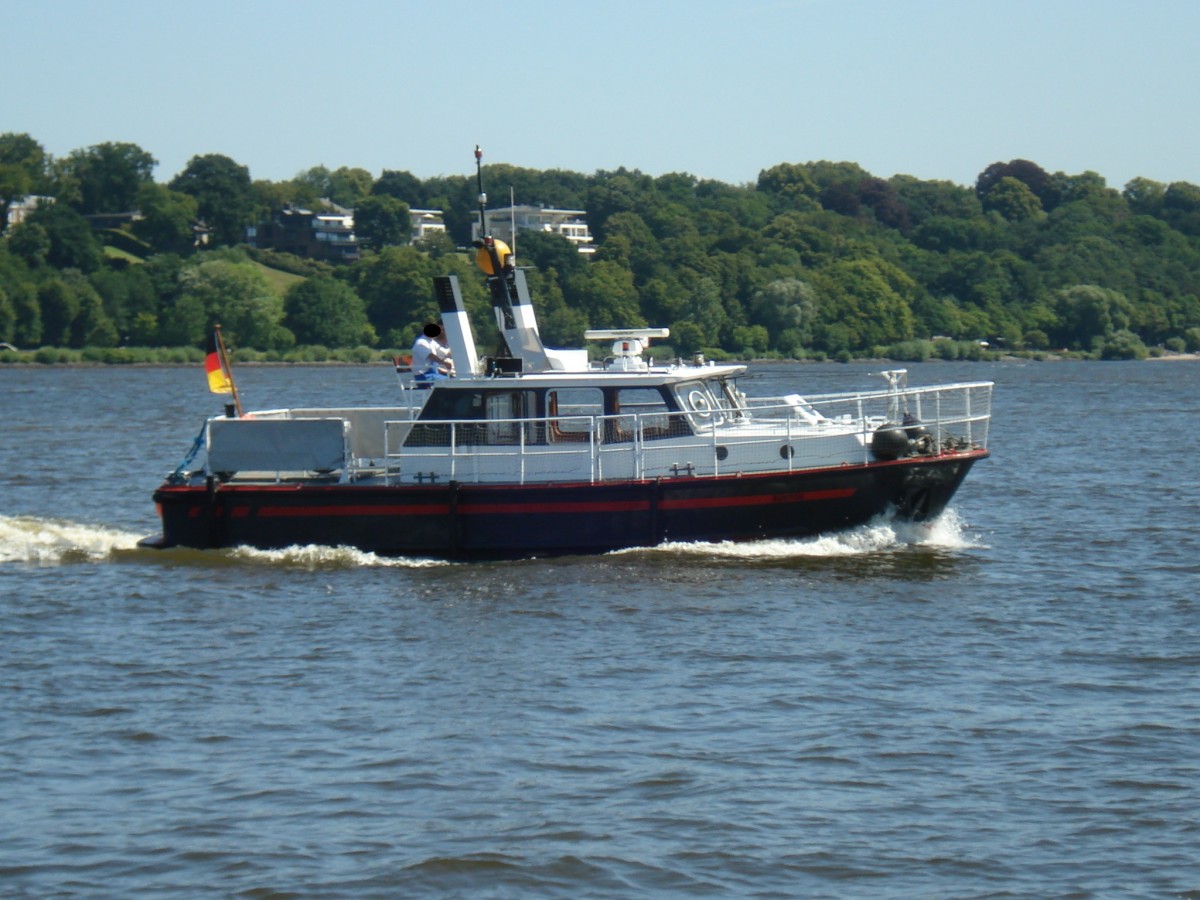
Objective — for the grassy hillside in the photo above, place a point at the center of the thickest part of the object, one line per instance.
(278, 280)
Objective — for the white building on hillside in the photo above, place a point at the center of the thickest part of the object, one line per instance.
(23, 206)
(426, 222)
(568, 223)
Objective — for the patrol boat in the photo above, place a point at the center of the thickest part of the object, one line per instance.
(540, 452)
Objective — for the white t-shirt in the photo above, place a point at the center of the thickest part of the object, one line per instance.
(427, 353)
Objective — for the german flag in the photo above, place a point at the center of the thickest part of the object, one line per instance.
(219, 381)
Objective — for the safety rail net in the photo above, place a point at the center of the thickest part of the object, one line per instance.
(762, 435)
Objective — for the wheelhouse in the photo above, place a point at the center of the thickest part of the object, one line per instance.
(549, 411)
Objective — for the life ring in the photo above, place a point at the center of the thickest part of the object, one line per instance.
(700, 403)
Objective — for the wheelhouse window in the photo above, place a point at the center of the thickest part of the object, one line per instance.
(709, 403)
(647, 410)
(704, 407)
(507, 414)
(470, 417)
(572, 412)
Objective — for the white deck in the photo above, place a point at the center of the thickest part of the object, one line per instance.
(762, 435)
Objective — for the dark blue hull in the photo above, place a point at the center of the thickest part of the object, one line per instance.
(481, 521)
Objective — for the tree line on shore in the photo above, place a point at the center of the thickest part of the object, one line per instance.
(813, 260)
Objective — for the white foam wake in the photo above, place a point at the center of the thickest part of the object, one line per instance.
(52, 541)
(880, 535)
(25, 539)
(315, 556)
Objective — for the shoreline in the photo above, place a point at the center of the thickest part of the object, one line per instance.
(337, 363)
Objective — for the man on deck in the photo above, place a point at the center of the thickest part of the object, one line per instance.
(431, 354)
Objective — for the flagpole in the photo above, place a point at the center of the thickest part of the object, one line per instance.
(237, 401)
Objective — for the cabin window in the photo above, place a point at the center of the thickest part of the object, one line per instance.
(443, 407)
(572, 412)
(647, 409)
(454, 404)
(728, 396)
(479, 417)
(705, 407)
(506, 411)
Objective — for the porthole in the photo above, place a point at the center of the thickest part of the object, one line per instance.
(787, 451)
(722, 452)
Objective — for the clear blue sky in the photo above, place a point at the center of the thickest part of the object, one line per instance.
(938, 89)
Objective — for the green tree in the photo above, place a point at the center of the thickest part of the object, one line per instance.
(72, 244)
(1039, 182)
(1087, 260)
(224, 198)
(705, 308)
(751, 340)
(560, 325)
(92, 326)
(664, 299)
(1181, 206)
(1087, 313)
(548, 251)
(348, 186)
(786, 307)
(1013, 200)
(944, 234)
(1145, 197)
(614, 192)
(31, 242)
(687, 336)
(23, 164)
(27, 324)
(1123, 344)
(168, 218)
(382, 221)
(184, 323)
(864, 303)
(790, 185)
(14, 184)
(939, 316)
(238, 297)
(8, 318)
(143, 330)
(936, 199)
(126, 293)
(881, 198)
(314, 182)
(605, 292)
(630, 242)
(322, 310)
(438, 244)
(272, 196)
(59, 308)
(396, 285)
(401, 185)
(344, 186)
(106, 177)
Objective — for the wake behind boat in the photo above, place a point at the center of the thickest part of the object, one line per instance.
(541, 452)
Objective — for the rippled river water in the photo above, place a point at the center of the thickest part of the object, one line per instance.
(1002, 704)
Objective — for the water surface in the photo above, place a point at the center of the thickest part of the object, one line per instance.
(1000, 704)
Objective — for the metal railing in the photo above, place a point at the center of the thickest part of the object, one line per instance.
(952, 412)
(779, 434)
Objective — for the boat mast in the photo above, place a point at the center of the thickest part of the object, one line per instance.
(501, 298)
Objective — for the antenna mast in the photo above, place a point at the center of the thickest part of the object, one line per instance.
(482, 195)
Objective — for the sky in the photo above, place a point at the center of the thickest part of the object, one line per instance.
(936, 89)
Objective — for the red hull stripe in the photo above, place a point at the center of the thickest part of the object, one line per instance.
(566, 506)
(761, 500)
(389, 509)
(589, 506)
